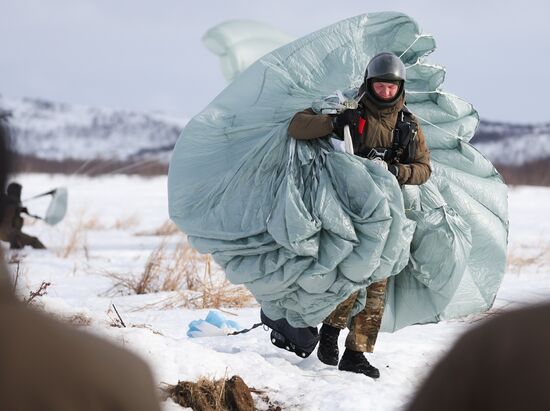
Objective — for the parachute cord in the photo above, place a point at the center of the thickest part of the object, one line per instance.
(245, 331)
(439, 128)
(82, 167)
(412, 44)
(441, 92)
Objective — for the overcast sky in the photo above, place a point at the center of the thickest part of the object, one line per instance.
(148, 55)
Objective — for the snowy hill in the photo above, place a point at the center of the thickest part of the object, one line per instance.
(512, 144)
(62, 133)
(55, 131)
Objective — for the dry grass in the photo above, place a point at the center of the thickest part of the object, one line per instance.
(186, 271)
(167, 228)
(160, 273)
(209, 394)
(518, 263)
(92, 223)
(41, 291)
(16, 259)
(76, 238)
(125, 223)
(78, 320)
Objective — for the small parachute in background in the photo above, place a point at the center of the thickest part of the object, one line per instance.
(58, 206)
(57, 209)
(239, 43)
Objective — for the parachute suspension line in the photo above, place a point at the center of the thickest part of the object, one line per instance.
(439, 128)
(441, 92)
(413, 43)
(246, 330)
(82, 167)
(130, 166)
(102, 168)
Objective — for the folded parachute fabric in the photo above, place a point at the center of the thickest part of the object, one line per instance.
(303, 226)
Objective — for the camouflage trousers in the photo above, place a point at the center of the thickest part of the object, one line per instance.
(364, 326)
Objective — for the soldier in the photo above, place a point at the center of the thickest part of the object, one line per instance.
(12, 223)
(47, 365)
(383, 130)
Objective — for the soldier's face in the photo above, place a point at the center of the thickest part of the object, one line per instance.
(385, 91)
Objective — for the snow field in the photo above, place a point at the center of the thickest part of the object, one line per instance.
(106, 213)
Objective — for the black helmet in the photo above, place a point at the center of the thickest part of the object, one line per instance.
(385, 67)
(14, 191)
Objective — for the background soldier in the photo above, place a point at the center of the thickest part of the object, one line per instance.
(11, 223)
(382, 129)
(47, 365)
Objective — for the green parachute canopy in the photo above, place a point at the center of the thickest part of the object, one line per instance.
(239, 43)
(303, 226)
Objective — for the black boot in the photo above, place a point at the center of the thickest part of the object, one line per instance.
(328, 345)
(355, 361)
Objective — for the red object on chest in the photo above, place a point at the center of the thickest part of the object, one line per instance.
(362, 124)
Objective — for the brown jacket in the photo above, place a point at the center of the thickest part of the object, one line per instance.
(378, 132)
(49, 366)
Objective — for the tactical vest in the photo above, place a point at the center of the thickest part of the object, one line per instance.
(403, 148)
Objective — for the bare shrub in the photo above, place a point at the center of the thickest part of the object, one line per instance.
(39, 292)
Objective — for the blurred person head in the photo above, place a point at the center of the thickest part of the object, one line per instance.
(14, 191)
(499, 365)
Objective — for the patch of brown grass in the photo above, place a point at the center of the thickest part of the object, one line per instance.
(76, 238)
(517, 261)
(167, 228)
(208, 394)
(125, 223)
(186, 271)
(78, 320)
(92, 223)
(156, 276)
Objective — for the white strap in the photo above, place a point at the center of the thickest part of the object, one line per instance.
(348, 142)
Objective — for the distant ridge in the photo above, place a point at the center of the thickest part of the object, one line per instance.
(57, 137)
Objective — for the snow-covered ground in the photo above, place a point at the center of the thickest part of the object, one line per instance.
(111, 216)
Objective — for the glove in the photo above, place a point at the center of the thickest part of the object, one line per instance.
(349, 118)
(392, 168)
